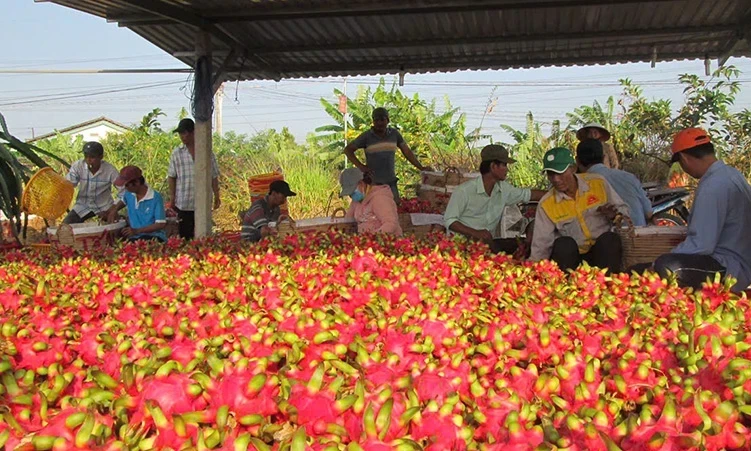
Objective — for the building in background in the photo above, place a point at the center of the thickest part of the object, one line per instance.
(93, 130)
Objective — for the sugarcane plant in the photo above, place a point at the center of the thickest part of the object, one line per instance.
(18, 160)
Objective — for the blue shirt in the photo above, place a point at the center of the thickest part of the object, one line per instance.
(147, 211)
(629, 188)
(720, 222)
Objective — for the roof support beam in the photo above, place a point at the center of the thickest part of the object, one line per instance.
(500, 61)
(188, 17)
(220, 76)
(169, 12)
(500, 39)
(382, 8)
(742, 32)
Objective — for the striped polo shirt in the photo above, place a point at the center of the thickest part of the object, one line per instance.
(380, 153)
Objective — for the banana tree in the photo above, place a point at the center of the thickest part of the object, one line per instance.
(528, 148)
(17, 161)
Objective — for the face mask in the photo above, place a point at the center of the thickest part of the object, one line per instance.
(357, 196)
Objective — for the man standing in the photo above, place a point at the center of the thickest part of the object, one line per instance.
(94, 177)
(146, 218)
(589, 157)
(718, 238)
(180, 177)
(476, 206)
(574, 218)
(380, 144)
(263, 211)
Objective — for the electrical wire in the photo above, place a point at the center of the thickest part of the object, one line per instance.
(96, 93)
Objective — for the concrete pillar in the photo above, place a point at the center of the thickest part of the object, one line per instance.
(203, 172)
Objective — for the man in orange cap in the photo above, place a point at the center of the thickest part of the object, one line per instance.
(718, 238)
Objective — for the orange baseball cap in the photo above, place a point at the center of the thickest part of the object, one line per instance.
(687, 139)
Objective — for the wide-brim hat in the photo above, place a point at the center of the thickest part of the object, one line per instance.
(580, 133)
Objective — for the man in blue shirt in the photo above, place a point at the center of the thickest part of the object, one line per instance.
(718, 238)
(146, 218)
(590, 157)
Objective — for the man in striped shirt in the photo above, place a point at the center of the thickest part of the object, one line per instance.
(380, 144)
(263, 211)
(180, 175)
(94, 178)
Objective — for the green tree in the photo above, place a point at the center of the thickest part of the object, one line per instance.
(528, 148)
(436, 133)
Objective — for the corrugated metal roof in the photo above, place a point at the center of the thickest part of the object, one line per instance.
(272, 39)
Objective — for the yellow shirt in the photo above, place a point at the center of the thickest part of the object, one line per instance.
(559, 215)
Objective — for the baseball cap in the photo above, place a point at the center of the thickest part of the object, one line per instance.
(128, 174)
(185, 125)
(493, 152)
(281, 187)
(349, 178)
(686, 139)
(557, 160)
(93, 149)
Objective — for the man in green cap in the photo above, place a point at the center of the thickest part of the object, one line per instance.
(574, 219)
(476, 206)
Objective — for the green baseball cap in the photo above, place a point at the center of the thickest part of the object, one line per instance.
(557, 160)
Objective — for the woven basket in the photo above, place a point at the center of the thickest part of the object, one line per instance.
(419, 231)
(437, 196)
(337, 221)
(85, 237)
(645, 244)
(405, 221)
(47, 194)
(451, 177)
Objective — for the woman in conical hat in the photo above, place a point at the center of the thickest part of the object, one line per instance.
(596, 131)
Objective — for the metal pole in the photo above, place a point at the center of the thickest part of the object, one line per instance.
(218, 100)
(346, 117)
(96, 71)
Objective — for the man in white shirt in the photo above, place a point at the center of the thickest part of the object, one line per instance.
(180, 175)
(94, 178)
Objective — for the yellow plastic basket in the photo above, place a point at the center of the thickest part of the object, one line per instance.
(47, 194)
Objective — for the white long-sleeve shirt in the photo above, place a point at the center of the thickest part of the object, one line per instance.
(94, 190)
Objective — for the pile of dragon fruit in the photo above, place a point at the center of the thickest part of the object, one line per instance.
(334, 342)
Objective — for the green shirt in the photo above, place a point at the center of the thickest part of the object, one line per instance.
(471, 205)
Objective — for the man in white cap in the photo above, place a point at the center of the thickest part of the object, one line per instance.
(593, 130)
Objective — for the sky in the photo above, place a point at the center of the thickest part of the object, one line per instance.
(48, 36)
